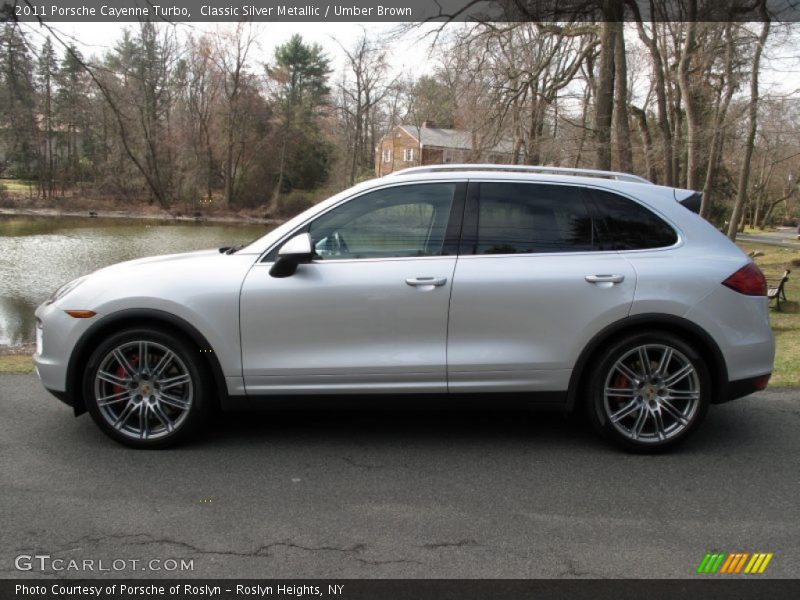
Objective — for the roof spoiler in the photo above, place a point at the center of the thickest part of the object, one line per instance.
(690, 199)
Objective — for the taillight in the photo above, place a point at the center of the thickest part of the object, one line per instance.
(749, 280)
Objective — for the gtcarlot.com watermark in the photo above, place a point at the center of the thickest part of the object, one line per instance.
(48, 563)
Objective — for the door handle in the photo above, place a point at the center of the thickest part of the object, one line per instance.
(605, 278)
(417, 281)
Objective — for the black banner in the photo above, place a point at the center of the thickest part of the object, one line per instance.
(402, 589)
(396, 10)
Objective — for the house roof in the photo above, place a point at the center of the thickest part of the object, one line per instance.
(460, 139)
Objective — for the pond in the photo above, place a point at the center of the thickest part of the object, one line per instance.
(38, 254)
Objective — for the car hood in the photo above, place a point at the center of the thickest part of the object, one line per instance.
(162, 260)
(170, 282)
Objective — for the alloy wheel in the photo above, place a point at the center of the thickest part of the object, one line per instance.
(143, 390)
(651, 393)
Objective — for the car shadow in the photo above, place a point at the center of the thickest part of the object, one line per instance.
(736, 427)
(392, 425)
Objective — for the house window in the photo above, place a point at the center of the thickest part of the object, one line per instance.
(408, 154)
(387, 155)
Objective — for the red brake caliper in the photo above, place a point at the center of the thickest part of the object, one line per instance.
(621, 382)
(120, 372)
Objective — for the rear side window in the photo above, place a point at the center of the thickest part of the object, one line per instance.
(626, 225)
(523, 218)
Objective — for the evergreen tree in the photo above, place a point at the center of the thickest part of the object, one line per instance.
(300, 74)
(46, 74)
(19, 129)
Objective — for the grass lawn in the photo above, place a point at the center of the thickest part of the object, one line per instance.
(16, 185)
(16, 363)
(755, 230)
(785, 324)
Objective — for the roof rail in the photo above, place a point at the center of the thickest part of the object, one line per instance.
(523, 169)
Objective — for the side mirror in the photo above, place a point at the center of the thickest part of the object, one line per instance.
(294, 252)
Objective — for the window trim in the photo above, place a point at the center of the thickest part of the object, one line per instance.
(452, 235)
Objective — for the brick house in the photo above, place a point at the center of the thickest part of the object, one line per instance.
(411, 146)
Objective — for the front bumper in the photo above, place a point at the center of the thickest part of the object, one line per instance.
(56, 337)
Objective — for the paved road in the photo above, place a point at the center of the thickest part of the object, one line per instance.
(386, 494)
(785, 237)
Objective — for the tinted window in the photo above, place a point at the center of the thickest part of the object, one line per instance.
(517, 218)
(627, 225)
(398, 221)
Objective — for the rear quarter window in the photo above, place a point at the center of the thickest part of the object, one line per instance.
(627, 225)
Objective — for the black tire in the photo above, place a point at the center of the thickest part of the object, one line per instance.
(184, 401)
(649, 413)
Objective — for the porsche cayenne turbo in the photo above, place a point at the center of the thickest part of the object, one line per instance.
(571, 289)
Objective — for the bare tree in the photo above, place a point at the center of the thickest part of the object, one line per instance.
(363, 87)
(604, 101)
(752, 125)
(622, 125)
(202, 88)
(230, 53)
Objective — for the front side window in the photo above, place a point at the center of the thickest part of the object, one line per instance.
(387, 155)
(408, 154)
(523, 218)
(626, 225)
(399, 221)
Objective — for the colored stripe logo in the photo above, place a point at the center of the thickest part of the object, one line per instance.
(734, 563)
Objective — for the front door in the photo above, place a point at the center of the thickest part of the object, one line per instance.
(369, 313)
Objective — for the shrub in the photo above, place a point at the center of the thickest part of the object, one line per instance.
(294, 203)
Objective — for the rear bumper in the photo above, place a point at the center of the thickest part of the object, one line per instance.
(742, 387)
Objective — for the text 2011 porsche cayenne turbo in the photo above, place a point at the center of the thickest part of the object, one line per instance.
(582, 290)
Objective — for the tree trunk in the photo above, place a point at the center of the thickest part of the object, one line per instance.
(587, 99)
(623, 129)
(718, 136)
(660, 87)
(647, 141)
(604, 103)
(689, 101)
(272, 207)
(752, 117)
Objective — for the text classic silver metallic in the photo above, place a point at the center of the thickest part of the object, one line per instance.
(573, 289)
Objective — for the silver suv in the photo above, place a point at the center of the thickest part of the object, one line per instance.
(572, 289)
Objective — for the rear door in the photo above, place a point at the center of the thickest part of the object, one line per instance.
(531, 287)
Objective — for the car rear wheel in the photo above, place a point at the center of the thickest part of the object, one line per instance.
(145, 388)
(649, 391)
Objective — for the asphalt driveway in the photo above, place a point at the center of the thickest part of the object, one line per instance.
(398, 494)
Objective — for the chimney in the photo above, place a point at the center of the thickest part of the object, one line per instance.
(428, 125)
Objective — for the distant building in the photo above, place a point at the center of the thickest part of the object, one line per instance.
(410, 146)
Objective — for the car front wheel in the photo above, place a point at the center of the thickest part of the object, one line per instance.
(649, 392)
(144, 388)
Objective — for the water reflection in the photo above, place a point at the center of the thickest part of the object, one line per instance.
(38, 254)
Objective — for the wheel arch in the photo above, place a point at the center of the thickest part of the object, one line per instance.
(137, 318)
(689, 331)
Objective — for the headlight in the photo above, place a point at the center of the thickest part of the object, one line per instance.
(65, 289)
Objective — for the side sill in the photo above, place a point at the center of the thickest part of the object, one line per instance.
(394, 402)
